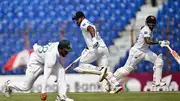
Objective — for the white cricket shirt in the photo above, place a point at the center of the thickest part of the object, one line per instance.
(48, 54)
(140, 43)
(87, 36)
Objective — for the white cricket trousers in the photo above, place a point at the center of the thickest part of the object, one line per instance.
(34, 70)
(90, 55)
(136, 55)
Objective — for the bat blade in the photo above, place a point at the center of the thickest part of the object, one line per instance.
(176, 56)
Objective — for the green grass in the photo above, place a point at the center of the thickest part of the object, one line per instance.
(124, 96)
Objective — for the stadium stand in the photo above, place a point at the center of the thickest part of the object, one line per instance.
(46, 19)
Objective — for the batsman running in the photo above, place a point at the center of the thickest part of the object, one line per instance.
(140, 51)
(96, 50)
(44, 59)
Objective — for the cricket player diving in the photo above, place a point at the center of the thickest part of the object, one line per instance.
(44, 59)
(140, 51)
(96, 50)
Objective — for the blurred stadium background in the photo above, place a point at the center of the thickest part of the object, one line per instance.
(26, 22)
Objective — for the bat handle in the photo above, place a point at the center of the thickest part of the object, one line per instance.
(72, 64)
(169, 48)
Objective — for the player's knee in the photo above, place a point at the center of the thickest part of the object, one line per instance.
(83, 60)
(123, 71)
(81, 64)
(78, 69)
(26, 87)
(84, 66)
(159, 61)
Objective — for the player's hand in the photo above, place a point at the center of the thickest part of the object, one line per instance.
(95, 43)
(164, 43)
(43, 96)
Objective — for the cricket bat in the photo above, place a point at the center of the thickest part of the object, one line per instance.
(174, 54)
(72, 64)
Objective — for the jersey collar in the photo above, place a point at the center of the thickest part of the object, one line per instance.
(83, 21)
(57, 52)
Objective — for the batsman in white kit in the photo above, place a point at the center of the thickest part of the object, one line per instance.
(96, 50)
(44, 59)
(140, 51)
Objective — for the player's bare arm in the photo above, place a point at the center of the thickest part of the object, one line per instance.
(93, 34)
(148, 40)
(91, 30)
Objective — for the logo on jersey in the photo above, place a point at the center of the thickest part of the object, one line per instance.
(145, 32)
(84, 24)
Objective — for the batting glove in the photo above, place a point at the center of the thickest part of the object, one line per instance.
(43, 96)
(164, 43)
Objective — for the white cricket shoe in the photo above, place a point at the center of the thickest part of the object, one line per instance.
(63, 98)
(162, 84)
(116, 89)
(103, 74)
(7, 91)
(158, 84)
(108, 85)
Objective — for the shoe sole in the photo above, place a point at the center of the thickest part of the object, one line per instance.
(118, 90)
(104, 74)
(159, 85)
(115, 92)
